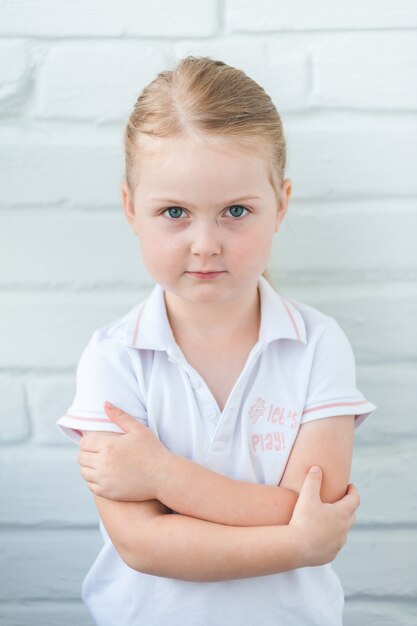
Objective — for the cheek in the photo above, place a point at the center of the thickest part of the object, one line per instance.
(256, 242)
(263, 237)
(159, 249)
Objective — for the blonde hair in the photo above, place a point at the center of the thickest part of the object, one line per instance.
(204, 97)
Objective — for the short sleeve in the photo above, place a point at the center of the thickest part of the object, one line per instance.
(105, 372)
(332, 385)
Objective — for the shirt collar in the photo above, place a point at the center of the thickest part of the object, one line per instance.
(149, 327)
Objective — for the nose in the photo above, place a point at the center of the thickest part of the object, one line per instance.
(206, 239)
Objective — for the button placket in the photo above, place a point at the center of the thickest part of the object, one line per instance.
(218, 445)
(224, 432)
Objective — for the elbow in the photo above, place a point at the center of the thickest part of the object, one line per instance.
(334, 492)
(134, 532)
(140, 553)
(144, 562)
(135, 557)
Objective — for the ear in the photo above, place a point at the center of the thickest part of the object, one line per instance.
(128, 204)
(284, 198)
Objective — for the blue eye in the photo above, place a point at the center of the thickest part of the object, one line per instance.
(175, 211)
(237, 206)
(173, 208)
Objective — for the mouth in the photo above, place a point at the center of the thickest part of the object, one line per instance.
(207, 274)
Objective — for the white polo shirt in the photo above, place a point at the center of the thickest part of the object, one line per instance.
(302, 368)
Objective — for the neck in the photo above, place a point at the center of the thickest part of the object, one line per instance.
(211, 322)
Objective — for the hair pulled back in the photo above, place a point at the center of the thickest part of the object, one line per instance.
(206, 98)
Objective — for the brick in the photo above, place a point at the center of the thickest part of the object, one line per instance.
(49, 398)
(195, 18)
(278, 65)
(354, 234)
(15, 422)
(101, 82)
(366, 71)
(46, 564)
(77, 242)
(14, 76)
(267, 15)
(331, 157)
(378, 318)
(44, 487)
(64, 323)
(378, 563)
(13, 62)
(392, 387)
(60, 170)
(46, 613)
(374, 612)
(384, 476)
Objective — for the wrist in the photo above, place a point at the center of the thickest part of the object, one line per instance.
(297, 541)
(168, 469)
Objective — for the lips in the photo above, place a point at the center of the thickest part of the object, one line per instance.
(211, 275)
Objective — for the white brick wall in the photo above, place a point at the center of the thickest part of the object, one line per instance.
(344, 77)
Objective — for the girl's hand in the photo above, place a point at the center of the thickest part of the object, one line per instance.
(321, 527)
(130, 466)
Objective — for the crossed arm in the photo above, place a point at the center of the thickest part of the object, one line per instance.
(227, 528)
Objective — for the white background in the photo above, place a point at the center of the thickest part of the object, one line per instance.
(343, 76)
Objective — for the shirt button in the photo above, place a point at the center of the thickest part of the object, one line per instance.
(195, 383)
(210, 413)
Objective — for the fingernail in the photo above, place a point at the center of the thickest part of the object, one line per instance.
(109, 405)
(314, 469)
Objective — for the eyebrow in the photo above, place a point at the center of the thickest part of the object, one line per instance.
(181, 202)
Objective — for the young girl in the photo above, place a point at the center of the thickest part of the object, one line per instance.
(225, 392)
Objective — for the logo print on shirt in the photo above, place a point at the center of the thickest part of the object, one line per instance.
(271, 414)
(256, 410)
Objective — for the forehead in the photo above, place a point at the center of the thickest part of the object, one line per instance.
(184, 165)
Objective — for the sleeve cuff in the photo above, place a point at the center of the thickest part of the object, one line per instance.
(361, 408)
(71, 425)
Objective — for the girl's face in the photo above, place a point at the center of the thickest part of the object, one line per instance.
(200, 207)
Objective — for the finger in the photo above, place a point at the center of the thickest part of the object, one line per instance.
(126, 422)
(354, 494)
(87, 459)
(89, 442)
(312, 484)
(350, 502)
(88, 474)
(95, 440)
(351, 521)
(352, 490)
